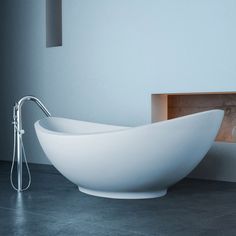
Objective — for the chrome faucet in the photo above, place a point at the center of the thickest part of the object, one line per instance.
(18, 132)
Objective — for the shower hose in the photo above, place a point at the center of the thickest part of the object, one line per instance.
(21, 132)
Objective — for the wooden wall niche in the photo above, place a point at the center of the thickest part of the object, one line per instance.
(169, 106)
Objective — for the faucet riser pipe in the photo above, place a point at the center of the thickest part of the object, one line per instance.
(19, 151)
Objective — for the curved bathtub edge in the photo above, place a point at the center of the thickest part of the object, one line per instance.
(124, 195)
(38, 126)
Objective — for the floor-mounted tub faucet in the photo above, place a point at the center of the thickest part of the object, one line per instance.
(18, 148)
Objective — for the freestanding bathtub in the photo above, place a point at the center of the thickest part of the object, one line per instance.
(128, 162)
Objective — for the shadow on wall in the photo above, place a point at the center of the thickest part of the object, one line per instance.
(18, 67)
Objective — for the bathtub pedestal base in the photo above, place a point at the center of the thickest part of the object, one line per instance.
(125, 195)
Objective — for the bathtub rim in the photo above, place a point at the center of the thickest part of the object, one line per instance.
(38, 126)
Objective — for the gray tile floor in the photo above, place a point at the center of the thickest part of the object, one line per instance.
(54, 206)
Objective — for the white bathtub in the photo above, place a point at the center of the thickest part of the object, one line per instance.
(124, 162)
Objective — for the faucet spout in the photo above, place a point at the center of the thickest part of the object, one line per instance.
(34, 99)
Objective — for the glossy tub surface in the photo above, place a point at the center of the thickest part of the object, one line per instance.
(128, 162)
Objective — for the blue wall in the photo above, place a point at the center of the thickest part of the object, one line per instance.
(115, 54)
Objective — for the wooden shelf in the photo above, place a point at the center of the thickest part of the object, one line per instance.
(169, 106)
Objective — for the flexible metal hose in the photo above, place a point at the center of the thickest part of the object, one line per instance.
(13, 158)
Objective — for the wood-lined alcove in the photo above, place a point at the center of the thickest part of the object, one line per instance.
(172, 105)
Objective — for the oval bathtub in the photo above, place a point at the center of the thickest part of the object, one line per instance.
(124, 162)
